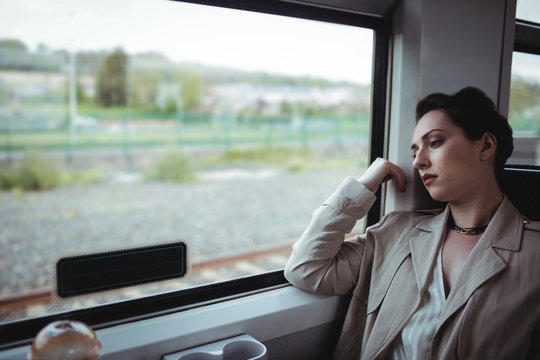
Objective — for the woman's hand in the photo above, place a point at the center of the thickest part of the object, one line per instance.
(382, 170)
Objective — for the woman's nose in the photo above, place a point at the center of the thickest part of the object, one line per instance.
(420, 160)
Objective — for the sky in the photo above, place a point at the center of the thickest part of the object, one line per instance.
(194, 33)
(210, 35)
(528, 10)
(525, 64)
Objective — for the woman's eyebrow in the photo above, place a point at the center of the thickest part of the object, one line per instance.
(414, 146)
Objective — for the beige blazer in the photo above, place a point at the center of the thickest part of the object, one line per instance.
(493, 311)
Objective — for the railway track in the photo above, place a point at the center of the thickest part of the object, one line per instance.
(206, 271)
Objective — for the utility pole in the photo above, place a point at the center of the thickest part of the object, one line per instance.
(72, 75)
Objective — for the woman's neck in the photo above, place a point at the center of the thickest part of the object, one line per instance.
(478, 209)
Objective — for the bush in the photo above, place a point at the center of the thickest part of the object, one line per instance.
(36, 174)
(8, 179)
(173, 167)
(268, 156)
(81, 177)
(289, 159)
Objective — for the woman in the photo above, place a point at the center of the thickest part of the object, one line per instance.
(454, 283)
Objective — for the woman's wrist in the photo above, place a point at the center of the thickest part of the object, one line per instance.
(371, 185)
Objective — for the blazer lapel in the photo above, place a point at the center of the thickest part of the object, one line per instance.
(484, 262)
(425, 246)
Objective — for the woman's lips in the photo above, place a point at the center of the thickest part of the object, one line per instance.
(428, 179)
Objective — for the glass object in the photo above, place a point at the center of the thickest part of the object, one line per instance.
(66, 340)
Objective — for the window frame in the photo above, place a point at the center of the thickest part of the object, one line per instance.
(527, 37)
(20, 332)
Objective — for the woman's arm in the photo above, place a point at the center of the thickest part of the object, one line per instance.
(321, 260)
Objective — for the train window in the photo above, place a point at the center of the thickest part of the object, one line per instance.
(524, 112)
(136, 123)
(524, 105)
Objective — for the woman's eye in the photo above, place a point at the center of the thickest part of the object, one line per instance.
(435, 143)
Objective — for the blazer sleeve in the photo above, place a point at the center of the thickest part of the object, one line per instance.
(321, 261)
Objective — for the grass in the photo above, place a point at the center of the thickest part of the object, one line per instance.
(36, 174)
(172, 167)
(280, 146)
(283, 158)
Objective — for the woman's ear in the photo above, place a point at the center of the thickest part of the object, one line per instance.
(489, 146)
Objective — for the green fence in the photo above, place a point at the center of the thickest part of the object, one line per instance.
(125, 133)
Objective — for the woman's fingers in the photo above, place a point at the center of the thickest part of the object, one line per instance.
(398, 175)
(382, 170)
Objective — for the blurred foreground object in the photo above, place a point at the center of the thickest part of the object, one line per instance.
(65, 340)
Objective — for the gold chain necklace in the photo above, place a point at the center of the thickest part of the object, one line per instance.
(466, 230)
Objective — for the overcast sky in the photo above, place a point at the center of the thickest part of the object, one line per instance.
(187, 32)
(210, 35)
(525, 64)
(528, 10)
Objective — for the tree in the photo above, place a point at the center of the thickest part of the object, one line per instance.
(144, 88)
(524, 96)
(192, 90)
(88, 62)
(524, 109)
(111, 80)
(13, 44)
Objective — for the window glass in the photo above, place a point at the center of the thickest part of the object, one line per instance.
(139, 122)
(524, 113)
(528, 10)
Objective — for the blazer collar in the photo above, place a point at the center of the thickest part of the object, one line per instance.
(505, 228)
(503, 231)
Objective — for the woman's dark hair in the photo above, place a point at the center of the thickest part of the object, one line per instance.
(476, 114)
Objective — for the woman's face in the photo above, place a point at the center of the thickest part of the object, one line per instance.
(447, 161)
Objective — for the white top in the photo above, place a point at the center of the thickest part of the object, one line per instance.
(414, 341)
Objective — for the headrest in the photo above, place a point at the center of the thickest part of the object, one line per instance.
(522, 186)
